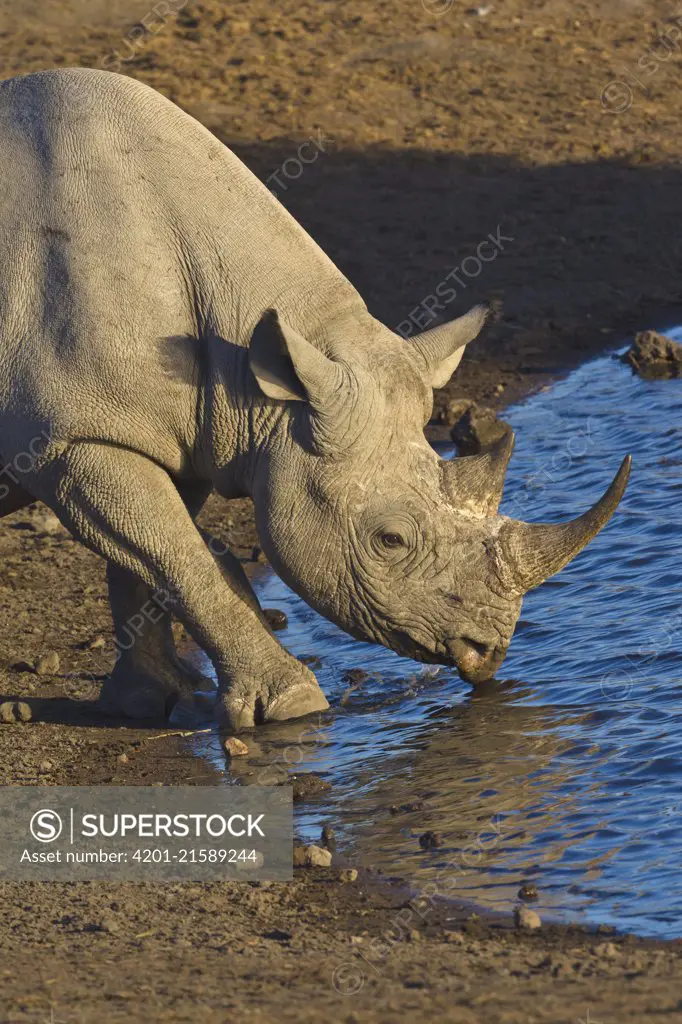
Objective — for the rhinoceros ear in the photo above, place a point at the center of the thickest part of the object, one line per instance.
(441, 349)
(289, 368)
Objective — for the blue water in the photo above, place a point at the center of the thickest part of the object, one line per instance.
(566, 770)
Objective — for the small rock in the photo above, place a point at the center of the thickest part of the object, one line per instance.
(277, 619)
(414, 935)
(311, 857)
(108, 924)
(179, 632)
(234, 747)
(7, 716)
(45, 766)
(477, 429)
(607, 950)
(123, 759)
(15, 711)
(328, 839)
(430, 840)
(348, 875)
(417, 805)
(456, 938)
(23, 711)
(47, 664)
(48, 523)
(654, 355)
(307, 784)
(526, 919)
(453, 411)
(97, 644)
(528, 891)
(355, 676)
(251, 864)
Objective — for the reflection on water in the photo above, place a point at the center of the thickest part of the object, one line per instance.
(568, 769)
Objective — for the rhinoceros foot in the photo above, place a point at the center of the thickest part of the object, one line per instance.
(273, 694)
(150, 692)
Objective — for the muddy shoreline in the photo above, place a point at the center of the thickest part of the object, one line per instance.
(443, 129)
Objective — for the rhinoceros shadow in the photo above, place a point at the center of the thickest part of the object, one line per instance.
(584, 237)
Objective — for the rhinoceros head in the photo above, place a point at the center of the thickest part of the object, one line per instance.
(361, 517)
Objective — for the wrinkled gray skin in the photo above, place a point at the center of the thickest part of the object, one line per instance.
(166, 328)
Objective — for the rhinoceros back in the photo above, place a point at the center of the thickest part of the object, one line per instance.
(124, 223)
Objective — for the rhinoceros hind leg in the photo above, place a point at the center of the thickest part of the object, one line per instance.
(149, 675)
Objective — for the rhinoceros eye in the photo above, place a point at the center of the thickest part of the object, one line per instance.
(392, 540)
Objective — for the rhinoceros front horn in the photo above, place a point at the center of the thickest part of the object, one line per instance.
(533, 553)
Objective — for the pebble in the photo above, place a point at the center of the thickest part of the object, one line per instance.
(7, 712)
(478, 428)
(607, 950)
(526, 919)
(45, 766)
(277, 619)
(655, 355)
(454, 410)
(47, 523)
(251, 865)
(417, 805)
(311, 857)
(528, 891)
(234, 747)
(23, 711)
(47, 664)
(348, 875)
(430, 840)
(14, 711)
(179, 632)
(307, 785)
(355, 676)
(108, 924)
(328, 838)
(456, 938)
(123, 759)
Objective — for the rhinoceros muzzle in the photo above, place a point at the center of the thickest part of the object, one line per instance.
(475, 662)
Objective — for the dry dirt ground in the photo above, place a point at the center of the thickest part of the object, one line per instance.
(551, 124)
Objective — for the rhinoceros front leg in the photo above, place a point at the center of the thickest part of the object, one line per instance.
(126, 507)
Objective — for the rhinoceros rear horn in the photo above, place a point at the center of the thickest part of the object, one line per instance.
(441, 349)
(479, 479)
(533, 553)
(289, 368)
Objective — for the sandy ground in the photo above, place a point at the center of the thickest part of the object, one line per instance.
(541, 123)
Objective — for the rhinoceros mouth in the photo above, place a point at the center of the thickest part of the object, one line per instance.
(408, 647)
